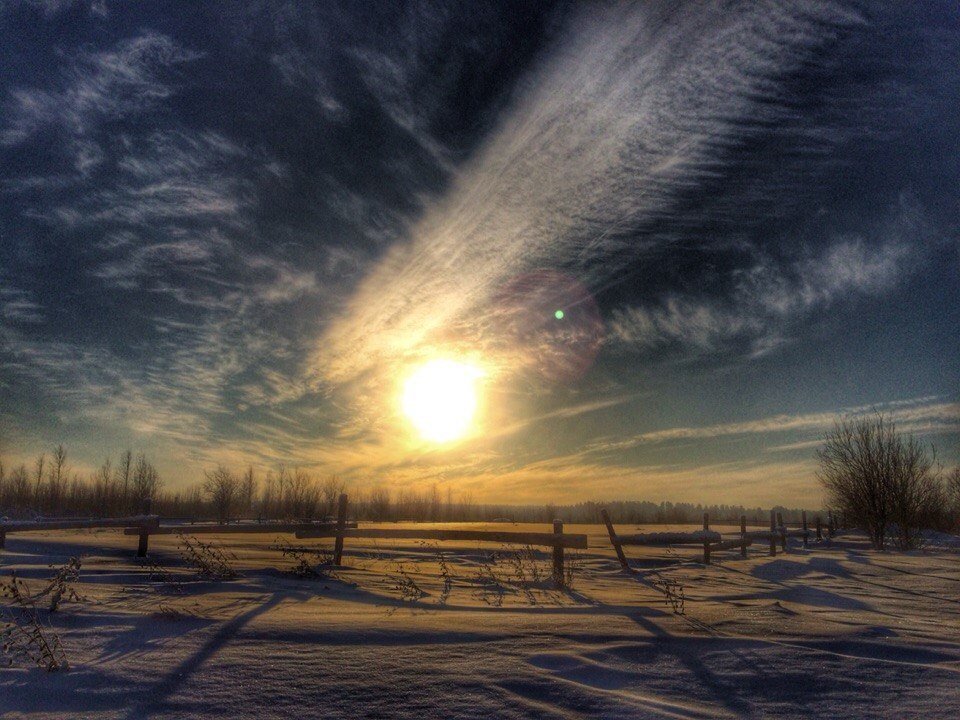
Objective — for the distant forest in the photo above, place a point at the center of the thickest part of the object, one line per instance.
(49, 488)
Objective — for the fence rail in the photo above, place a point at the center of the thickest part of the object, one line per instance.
(206, 529)
(713, 541)
(514, 538)
(147, 524)
(557, 540)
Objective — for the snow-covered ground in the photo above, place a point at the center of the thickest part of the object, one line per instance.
(835, 631)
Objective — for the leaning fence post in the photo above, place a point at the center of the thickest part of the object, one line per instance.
(144, 537)
(773, 537)
(3, 540)
(341, 525)
(706, 540)
(614, 540)
(783, 532)
(805, 531)
(743, 536)
(819, 530)
(558, 553)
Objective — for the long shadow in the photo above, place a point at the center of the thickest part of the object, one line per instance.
(724, 693)
(168, 685)
(20, 546)
(799, 593)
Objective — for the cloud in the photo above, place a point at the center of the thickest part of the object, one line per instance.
(767, 298)
(126, 80)
(16, 306)
(922, 415)
(296, 70)
(637, 104)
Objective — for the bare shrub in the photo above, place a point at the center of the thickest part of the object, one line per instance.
(406, 586)
(953, 500)
(23, 635)
(308, 563)
(207, 559)
(60, 585)
(880, 480)
(672, 590)
(156, 573)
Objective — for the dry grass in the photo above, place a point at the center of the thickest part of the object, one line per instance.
(209, 560)
(308, 563)
(24, 635)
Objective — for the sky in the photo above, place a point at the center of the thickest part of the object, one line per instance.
(230, 231)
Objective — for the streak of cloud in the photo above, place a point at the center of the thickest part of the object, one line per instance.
(636, 105)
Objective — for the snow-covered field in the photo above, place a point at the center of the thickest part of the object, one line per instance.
(835, 631)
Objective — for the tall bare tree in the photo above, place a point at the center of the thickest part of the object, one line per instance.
(331, 489)
(879, 479)
(221, 485)
(124, 469)
(56, 480)
(38, 479)
(248, 491)
(145, 481)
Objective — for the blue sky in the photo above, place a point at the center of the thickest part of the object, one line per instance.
(229, 230)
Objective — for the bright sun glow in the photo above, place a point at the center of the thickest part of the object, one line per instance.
(440, 398)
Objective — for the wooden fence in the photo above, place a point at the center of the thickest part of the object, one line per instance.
(712, 541)
(557, 540)
(146, 524)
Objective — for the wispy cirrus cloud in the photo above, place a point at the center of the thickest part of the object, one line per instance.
(98, 86)
(636, 106)
(17, 306)
(920, 415)
(767, 298)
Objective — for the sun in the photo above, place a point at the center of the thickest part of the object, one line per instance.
(440, 399)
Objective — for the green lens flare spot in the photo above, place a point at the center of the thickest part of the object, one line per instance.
(558, 314)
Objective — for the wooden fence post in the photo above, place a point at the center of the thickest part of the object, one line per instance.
(743, 535)
(773, 538)
(805, 531)
(341, 524)
(614, 540)
(819, 530)
(782, 531)
(830, 525)
(558, 554)
(706, 542)
(3, 540)
(144, 537)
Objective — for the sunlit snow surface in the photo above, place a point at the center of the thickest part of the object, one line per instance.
(837, 631)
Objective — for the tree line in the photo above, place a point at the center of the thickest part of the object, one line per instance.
(874, 477)
(48, 487)
(117, 488)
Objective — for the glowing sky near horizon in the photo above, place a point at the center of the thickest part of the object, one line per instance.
(677, 239)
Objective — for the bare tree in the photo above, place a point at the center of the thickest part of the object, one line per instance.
(953, 499)
(380, 504)
(145, 481)
(879, 479)
(103, 485)
(248, 491)
(56, 479)
(331, 490)
(221, 485)
(38, 479)
(123, 478)
(433, 513)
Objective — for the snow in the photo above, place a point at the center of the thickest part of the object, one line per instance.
(837, 630)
